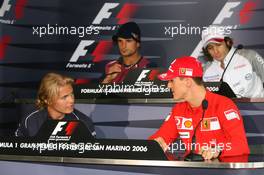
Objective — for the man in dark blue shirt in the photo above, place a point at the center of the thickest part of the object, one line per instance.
(55, 101)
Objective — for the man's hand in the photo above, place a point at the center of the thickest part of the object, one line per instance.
(162, 143)
(209, 153)
(113, 71)
(116, 68)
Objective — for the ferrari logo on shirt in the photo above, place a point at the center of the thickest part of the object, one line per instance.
(206, 124)
(185, 71)
(184, 123)
(231, 114)
(210, 124)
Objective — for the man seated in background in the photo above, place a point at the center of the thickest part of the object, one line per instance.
(128, 40)
(241, 69)
(209, 122)
(55, 101)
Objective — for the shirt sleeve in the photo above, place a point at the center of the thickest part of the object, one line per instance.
(255, 60)
(168, 130)
(233, 128)
(258, 65)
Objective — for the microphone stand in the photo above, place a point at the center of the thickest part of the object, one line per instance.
(193, 156)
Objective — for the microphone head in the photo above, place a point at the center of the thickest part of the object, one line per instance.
(205, 104)
(240, 46)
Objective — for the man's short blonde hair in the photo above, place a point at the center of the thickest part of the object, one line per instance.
(49, 88)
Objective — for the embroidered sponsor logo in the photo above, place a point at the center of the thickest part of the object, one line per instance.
(212, 77)
(236, 84)
(163, 75)
(170, 68)
(184, 123)
(188, 124)
(185, 71)
(210, 124)
(241, 91)
(184, 135)
(248, 76)
(239, 66)
(231, 114)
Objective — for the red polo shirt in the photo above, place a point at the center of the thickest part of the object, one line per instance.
(222, 126)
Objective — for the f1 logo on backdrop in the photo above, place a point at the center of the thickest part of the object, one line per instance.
(127, 11)
(19, 8)
(149, 74)
(104, 13)
(246, 12)
(5, 7)
(101, 49)
(228, 11)
(63, 130)
(4, 42)
(81, 50)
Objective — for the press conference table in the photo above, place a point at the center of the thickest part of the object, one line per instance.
(68, 165)
(105, 159)
(61, 165)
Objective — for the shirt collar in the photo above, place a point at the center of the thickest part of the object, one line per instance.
(229, 55)
(227, 58)
(194, 109)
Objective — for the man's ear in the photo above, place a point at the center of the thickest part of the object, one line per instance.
(189, 82)
(138, 44)
(47, 102)
(228, 44)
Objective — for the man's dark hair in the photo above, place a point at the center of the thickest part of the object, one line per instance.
(229, 42)
(127, 31)
(198, 80)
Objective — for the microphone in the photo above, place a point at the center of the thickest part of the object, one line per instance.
(240, 46)
(193, 156)
(204, 105)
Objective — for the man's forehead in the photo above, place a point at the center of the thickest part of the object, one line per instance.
(127, 39)
(175, 79)
(215, 44)
(64, 90)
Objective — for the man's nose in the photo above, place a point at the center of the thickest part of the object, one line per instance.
(71, 99)
(216, 51)
(169, 84)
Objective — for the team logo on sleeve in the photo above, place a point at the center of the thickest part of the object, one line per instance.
(184, 123)
(210, 124)
(231, 114)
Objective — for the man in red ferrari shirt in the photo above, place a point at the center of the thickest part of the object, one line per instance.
(210, 122)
